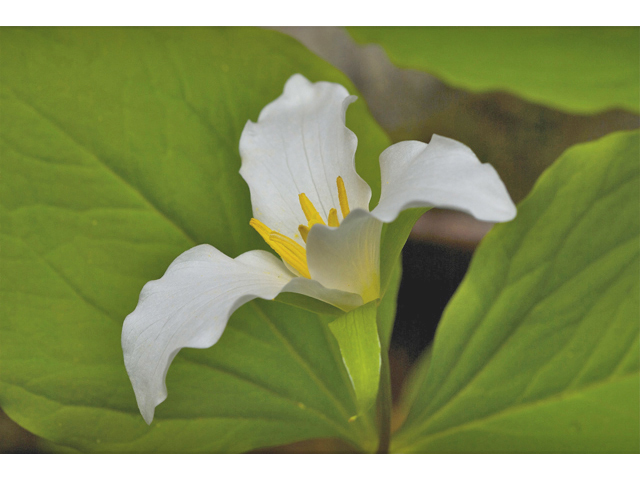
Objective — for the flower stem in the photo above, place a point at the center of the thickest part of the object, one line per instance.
(384, 404)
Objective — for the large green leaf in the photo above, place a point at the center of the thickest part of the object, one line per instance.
(119, 150)
(538, 350)
(582, 70)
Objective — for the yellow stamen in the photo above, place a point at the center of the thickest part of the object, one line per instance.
(261, 228)
(333, 218)
(304, 231)
(342, 197)
(310, 211)
(289, 250)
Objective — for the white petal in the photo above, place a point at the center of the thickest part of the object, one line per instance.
(189, 307)
(444, 173)
(300, 144)
(348, 257)
(312, 288)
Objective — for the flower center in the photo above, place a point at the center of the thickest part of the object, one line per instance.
(291, 251)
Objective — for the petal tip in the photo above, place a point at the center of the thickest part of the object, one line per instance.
(511, 214)
(296, 78)
(147, 415)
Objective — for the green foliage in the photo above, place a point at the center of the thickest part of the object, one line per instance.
(357, 336)
(119, 150)
(538, 350)
(581, 70)
(394, 236)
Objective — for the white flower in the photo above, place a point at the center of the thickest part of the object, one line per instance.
(298, 161)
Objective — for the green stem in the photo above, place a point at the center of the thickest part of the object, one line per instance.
(384, 404)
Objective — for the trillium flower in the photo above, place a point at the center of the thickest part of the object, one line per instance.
(312, 208)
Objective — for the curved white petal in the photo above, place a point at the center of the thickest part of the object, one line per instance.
(191, 304)
(300, 144)
(189, 307)
(444, 173)
(347, 257)
(312, 288)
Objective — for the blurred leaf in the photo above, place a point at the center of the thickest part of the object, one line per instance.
(581, 70)
(538, 350)
(118, 151)
(357, 336)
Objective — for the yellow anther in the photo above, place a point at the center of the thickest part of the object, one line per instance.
(333, 218)
(310, 211)
(342, 197)
(291, 252)
(261, 228)
(288, 249)
(304, 231)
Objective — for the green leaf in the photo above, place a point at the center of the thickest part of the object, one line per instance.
(387, 307)
(538, 350)
(357, 336)
(119, 151)
(394, 236)
(581, 70)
